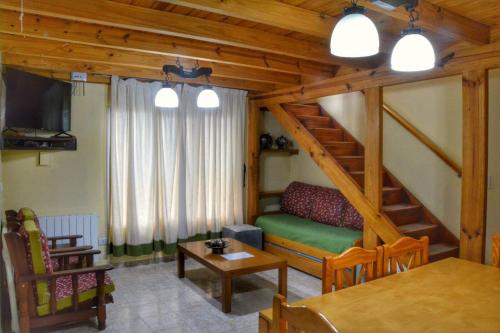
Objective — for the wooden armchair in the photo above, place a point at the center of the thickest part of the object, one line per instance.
(46, 297)
(342, 268)
(495, 254)
(81, 255)
(295, 319)
(406, 253)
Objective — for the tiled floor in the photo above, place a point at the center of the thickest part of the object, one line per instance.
(150, 298)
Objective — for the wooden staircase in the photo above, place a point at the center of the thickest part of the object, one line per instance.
(402, 208)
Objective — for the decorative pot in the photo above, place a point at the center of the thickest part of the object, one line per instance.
(266, 141)
(217, 245)
(282, 142)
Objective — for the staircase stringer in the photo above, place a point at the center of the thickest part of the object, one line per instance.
(377, 220)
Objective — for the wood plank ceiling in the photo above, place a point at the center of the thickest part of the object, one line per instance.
(256, 45)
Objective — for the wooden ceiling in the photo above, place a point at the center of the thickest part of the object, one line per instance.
(256, 45)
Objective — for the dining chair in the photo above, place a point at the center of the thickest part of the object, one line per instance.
(294, 319)
(406, 253)
(343, 269)
(495, 254)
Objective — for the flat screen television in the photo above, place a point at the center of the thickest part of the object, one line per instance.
(37, 102)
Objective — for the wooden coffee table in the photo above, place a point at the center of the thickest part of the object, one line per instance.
(261, 261)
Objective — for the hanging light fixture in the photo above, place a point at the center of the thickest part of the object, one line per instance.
(355, 35)
(166, 97)
(208, 98)
(413, 52)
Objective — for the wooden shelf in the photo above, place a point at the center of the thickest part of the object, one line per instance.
(37, 143)
(270, 194)
(276, 151)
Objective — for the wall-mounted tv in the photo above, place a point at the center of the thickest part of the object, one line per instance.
(36, 102)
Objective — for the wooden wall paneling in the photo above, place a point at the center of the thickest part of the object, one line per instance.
(64, 65)
(124, 39)
(475, 164)
(253, 164)
(486, 56)
(126, 16)
(78, 52)
(440, 20)
(373, 158)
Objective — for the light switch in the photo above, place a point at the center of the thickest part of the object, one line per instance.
(44, 159)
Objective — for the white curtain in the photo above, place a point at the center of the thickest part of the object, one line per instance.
(174, 173)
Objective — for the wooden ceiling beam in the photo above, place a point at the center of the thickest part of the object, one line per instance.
(439, 20)
(485, 57)
(270, 12)
(65, 65)
(55, 49)
(65, 76)
(149, 43)
(278, 14)
(160, 22)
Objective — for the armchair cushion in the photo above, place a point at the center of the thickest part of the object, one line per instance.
(87, 289)
(27, 214)
(38, 257)
(73, 260)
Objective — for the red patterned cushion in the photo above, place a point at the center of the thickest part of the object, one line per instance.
(297, 199)
(328, 206)
(351, 218)
(64, 286)
(73, 260)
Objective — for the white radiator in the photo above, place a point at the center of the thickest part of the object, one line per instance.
(61, 225)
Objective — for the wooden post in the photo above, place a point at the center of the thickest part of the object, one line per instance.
(373, 158)
(253, 163)
(475, 164)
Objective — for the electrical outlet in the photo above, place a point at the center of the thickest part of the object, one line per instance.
(490, 182)
(103, 241)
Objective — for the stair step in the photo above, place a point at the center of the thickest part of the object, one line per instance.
(303, 109)
(403, 213)
(441, 251)
(393, 195)
(327, 134)
(359, 177)
(315, 121)
(337, 148)
(417, 230)
(352, 163)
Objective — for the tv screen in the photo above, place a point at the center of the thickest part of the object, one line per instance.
(36, 102)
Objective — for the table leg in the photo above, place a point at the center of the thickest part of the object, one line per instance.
(282, 284)
(227, 292)
(180, 264)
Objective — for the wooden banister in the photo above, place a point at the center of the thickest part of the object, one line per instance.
(424, 139)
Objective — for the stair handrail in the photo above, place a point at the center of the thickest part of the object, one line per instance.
(423, 139)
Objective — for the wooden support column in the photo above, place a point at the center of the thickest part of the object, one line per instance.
(373, 158)
(253, 162)
(475, 164)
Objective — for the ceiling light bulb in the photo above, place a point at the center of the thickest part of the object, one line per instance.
(355, 35)
(208, 99)
(166, 97)
(413, 52)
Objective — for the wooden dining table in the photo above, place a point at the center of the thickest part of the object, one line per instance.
(450, 295)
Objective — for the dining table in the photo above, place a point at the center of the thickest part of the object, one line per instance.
(450, 295)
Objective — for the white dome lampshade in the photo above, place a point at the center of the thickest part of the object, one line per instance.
(166, 97)
(413, 52)
(355, 35)
(207, 98)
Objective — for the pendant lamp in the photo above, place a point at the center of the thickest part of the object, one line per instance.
(355, 35)
(166, 97)
(207, 98)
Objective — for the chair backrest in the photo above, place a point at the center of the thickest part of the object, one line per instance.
(343, 269)
(495, 254)
(406, 253)
(295, 319)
